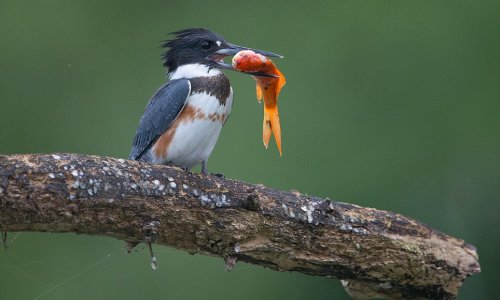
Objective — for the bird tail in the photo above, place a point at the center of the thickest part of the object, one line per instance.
(271, 124)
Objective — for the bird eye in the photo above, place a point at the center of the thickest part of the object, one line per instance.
(206, 44)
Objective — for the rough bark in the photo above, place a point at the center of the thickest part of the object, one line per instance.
(375, 253)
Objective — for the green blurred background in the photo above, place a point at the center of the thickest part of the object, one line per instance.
(389, 104)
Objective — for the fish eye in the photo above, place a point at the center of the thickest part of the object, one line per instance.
(206, 45)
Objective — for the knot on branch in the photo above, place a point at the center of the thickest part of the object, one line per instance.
(252, 201)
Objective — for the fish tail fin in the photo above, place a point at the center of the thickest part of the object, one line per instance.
(271, 124)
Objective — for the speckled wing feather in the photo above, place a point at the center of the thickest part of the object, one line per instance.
(160, 112)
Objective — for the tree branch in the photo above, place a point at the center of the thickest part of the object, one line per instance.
(375, 253)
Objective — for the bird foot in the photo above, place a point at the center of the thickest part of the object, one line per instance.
(204, 169)
(220, 175)
(188, 170)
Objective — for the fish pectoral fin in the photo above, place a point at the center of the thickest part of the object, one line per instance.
(259, 92)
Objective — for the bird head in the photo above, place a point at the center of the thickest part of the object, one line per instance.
(202, 46)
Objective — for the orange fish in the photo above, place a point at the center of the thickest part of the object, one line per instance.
(267, 87)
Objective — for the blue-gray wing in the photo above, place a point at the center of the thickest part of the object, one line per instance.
(160, 112)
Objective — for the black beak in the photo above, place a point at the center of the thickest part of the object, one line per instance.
(230, 49)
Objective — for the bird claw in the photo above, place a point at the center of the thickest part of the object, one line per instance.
(187, 169)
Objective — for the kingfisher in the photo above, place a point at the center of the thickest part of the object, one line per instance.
(184, 117)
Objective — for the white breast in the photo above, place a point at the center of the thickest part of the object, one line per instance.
(195, 138)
